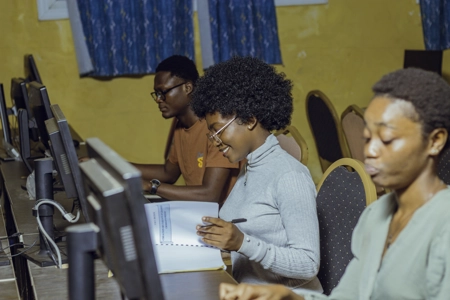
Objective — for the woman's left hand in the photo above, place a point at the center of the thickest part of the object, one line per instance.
(221, 234)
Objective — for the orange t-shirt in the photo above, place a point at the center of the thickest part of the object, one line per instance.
(193, 153)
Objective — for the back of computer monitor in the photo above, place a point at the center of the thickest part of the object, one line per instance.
(4, 116)
(60, 159)
(39, 104)
(31, 71)
(122, 204)
(429, 60)
(19, 96)
(22, 118)
(72, 158)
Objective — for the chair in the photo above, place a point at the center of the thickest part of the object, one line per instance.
(443, 167)
(293, 143)
(343, 192)
(326, 129)
(352, 122)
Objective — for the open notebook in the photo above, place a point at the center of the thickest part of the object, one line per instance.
(177, 246)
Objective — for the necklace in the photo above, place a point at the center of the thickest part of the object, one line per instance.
(401, 224)
(403, 221)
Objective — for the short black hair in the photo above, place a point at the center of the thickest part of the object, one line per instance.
(427, 92)
(245, 87)
(179, 66)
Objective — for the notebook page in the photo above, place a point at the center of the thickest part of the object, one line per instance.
(174, 222)
(173, 259)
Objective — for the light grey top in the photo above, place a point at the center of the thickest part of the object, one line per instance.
(277, 197)
(416, 266)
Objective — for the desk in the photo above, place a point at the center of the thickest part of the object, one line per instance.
(51, 283)
(8, 284)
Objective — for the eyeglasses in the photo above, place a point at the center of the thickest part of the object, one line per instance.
(214, 137)
(162, 95)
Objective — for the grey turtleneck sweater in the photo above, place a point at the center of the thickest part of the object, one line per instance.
(276, 195)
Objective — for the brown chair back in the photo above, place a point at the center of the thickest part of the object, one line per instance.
(293, 143)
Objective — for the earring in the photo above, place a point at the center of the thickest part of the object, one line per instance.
(434, 151)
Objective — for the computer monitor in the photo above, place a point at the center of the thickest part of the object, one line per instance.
(25, 152)
(19, 96)
(31, 71)
(39, 105)
(4, 116)
(66, 159)
(114, 192)
(429, 60)
(7, 152)
(60, 159)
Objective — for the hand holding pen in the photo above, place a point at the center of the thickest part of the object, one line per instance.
(221, 234)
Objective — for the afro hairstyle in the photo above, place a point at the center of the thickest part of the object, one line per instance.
(427, 92)
(245, 87)
(179, 66)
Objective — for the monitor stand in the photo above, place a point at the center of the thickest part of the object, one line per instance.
(40, 254)
(81, 245)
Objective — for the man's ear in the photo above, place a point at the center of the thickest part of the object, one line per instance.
(188, 87)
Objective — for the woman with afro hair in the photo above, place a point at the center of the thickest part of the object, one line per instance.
(401, 244)
(243, 100)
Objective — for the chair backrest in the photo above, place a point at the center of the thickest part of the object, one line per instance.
(343, 192)
(352, 122)
(293, 143)
(326, 129)
(443, 167)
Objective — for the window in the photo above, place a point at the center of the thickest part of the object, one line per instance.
(299, 2)
(283, 2)
(57, 9)
(52, 10)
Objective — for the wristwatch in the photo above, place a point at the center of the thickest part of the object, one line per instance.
(155, 184)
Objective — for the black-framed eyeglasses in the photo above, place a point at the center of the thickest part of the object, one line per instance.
(214, 137)
(162, 94)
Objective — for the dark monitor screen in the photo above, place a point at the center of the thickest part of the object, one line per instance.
(4, 116)
(428, 60)
(40, 108)
(115, 197)
(60, 158)
(68, 162)
(19, 96)
(31, 71)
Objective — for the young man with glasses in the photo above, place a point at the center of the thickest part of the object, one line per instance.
(208, 175)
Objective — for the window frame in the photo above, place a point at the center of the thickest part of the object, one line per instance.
(57, 9)
(52, 10)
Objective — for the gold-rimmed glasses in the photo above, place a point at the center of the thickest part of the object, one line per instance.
(214, 137)
(162, 94)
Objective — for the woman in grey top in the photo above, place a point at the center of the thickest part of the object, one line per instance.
(401, 244)
(242, 100)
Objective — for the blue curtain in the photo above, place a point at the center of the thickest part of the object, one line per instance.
(436, 23)
(244, 28)
(130, 37)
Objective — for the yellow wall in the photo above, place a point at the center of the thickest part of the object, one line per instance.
(341, 48)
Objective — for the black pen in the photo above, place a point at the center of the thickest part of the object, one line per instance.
(240, 220)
